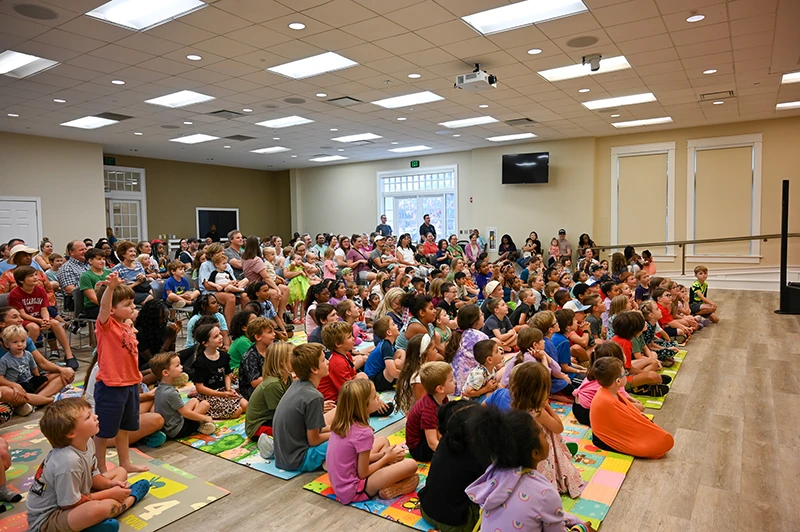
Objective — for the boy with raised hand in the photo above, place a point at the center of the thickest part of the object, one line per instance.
(180, 420)
(69, 492)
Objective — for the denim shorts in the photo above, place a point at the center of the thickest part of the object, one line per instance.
(117, 408)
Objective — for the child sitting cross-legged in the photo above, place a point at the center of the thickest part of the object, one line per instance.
(361, 465)
(483, 380)
(349, 312)
(180, 420)
(498, 326)
(177, 290)
(619, 426)
(338, 338)
(642, 376)
(381, 367)
(301, 427)
(19, 369)
(212, 375)
(698, 296)
(422, 434)
(69, 492)
(532, 349)
(262, 332)
(654, 336)
(512, 493)
(277, 377)
(588, 388)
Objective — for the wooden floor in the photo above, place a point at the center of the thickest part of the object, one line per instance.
(734, 466)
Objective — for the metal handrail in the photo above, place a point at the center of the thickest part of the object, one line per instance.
(682, 243)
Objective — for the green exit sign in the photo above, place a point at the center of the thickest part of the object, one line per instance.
(110, 161)
(414, 164)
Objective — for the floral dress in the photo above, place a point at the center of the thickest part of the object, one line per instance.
(649, 336)
(464, 360)
(558, 468)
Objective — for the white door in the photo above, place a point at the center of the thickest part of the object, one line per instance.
(19, 219)
(125, 217)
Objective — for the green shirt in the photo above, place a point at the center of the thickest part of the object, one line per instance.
(88, 281)
(237, 350)
(263, 402)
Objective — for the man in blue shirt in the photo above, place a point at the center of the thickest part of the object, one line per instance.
(383, 228)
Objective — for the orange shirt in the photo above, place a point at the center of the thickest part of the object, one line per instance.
(117, 354)
(621, 426)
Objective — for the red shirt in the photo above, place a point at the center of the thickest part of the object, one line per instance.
(666, 316)
(627, 349)
(424, 415)
(430, 248)
(117, 354)
(340, 370)
(31, 303)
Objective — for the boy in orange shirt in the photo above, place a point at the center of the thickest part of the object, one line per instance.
(116, 393)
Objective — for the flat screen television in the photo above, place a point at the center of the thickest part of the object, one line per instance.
(526, 168)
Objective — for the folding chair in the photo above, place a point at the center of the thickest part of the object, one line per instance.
(77, 296)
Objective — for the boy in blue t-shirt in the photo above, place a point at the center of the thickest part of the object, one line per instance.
(381, 367)
(177, 290)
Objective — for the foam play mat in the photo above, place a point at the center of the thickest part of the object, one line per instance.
(175, 494)
(230, 442)
(656, 403)
(603, 472)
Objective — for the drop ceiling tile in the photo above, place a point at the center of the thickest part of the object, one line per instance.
(264, 37)
(636, 30)
(55, 80)
(422, 15)
(233, 68)
(646, 44)
(471, 47)
(676, 20)
(573, 25)
(626, 12)
(740, 9)
(47, 51)
(224, 47)
(150, 44)
(96, 28)
(404, 44)
(706, 81)
(179, 32)
(365, 53)
(340, 12)
(294, 50)
(205, 76)
(333, 40)
(753, 40)
(214, 20)
(753, 53)
(708, 47)
(264, 78)
(426, 58)
(707, 61)
(74, 72)
(721, 68)
(700, 35)
(356, 73)
(70, 41)
(96, 63)
(281, 25)
(238, 85)
(120, 54)
(257, 11)
(135, 73)
(165, 66)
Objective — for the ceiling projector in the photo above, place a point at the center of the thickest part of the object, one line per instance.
(476, 81)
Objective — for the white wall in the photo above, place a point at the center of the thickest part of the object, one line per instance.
(67, 176)
(483, 200)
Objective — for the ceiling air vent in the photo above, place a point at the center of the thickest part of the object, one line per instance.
(361, 143)
(240, 137)
(344, 101)
(721, 95)
(113, 116)
(224, 113)
(520, 122)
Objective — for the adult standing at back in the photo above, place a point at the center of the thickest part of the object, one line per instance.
(564, 245)
(383, 228)
(234, 253)
(212, 233)
(426, 228)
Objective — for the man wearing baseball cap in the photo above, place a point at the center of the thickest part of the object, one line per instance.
(564, 245)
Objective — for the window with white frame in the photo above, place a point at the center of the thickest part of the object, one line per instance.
(126, 202)
(405, 197)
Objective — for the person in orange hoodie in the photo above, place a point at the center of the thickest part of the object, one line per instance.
(619, 426)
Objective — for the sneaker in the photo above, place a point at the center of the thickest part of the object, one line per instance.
(71, 363)
(139, 489)
(207, 428)
(9, 495)
(155, 439)
(407, 485)
(266, 447)
(666, 379)
(654, 390)
(668, 362)
(23, 409)
(54, 355)
(75, 327)
(109, 525)
(179, 303)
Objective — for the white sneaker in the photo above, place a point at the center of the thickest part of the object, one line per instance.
(207, 428)
(23, 409)
(266, 447)
(179, 303)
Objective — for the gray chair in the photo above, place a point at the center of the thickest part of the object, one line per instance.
(157, 288)
(77, 296)
(3, 300)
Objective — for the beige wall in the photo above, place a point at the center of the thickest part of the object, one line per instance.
(483, 200)
(781, 160)
(175, 189)
(68, 177)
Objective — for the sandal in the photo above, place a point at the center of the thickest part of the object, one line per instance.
(653, 390)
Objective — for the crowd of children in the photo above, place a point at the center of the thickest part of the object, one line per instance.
(435, 329)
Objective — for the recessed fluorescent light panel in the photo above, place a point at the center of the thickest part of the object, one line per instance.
(287, 121)
(793, 77)
(313, 66)
(89, 122)
(418, 98)
(518, 136)
(612, 64)
(622, 100)
(356, 138)
(194, 139)
(18, 65)
(180, 99)
(477, 121)
(328, 158)
(141, 15)
(646, 122)
(788, 105)
(273, 149)
(410, 149)
(522, 14)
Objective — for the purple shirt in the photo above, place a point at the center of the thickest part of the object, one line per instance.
(354, 255)
(342, 462)
(464, 360)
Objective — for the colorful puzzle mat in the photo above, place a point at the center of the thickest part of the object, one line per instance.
(656, 403)
(603, 471)
(231, 442)
(175, 494)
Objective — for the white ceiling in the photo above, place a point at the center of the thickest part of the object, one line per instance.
(750, 43)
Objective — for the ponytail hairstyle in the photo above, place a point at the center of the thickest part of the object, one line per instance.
(606, 349)
(315, 290)
(508, 439)
(528, 336)
(529, 386)
(618, 305)
(647, 308)
(352, 406)
(415, 303)
(201, 335)
(416, 355)
(453, 418)
(467, 317)
(201, 306)
(253, 288)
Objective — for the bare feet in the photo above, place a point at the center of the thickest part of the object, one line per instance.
(133, 468)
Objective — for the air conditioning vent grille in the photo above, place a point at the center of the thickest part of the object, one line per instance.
(224, 113)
